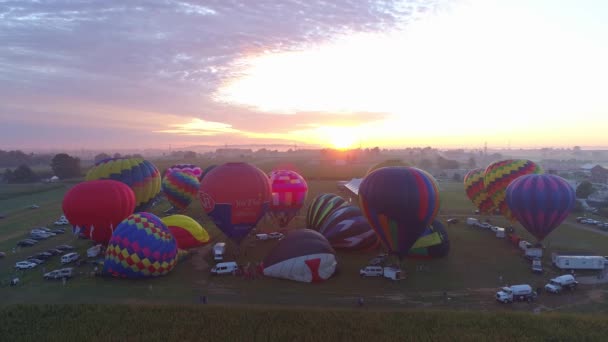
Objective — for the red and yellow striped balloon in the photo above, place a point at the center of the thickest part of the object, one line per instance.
(500, 174)
(475, 189)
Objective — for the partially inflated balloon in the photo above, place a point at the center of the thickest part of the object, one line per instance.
(433, 243)
(399, 203)
(347, 228)
(140, 247)
(476, 191)
(500, 174)
(190, 168)
(236, 196)
(180, 187)
(97, 207)
(187, 232)
(320, 208)
(139, 174)
(540, 202)
(289, 191)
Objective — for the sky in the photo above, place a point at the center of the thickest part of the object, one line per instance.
(341, 73)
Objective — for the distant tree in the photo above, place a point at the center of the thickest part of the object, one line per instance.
(584, 189)
(457, 177)
(425, 164)
(8, 176)
(65, 166)
(472, 163)
(376, 150)
(576, 150)
(189, 154)
(23, 174)
(137, 155)
(447, 164)
(578, 207)
(101, 157)
(117, 155)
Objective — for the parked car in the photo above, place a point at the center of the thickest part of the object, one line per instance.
(62, 221)
(378, 260)
(229, 267)
(43, 255)
(2, 254)
(452, 221)
(34, 206)
(24, 265)
(39, 236)
(26, 243)
(58, 231)
(54, 251)
(68, 258)
(60, 273)
(371, 271)
(65, 248)
(35, 261)
(275, 235)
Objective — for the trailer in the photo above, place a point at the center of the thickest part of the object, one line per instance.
(579, 262)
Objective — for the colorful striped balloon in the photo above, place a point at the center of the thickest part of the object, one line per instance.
(540, 202)
(500, 174)
(476, 191)
(191, 168)
(320, 208)
(180, 187)
(139, 174)
(140, 247)
(289, 191)
(399, 203)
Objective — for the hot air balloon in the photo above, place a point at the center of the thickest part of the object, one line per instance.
(180, 187)
(190, 168)
(433, 243)
(500, 174)
(399, 203)
(320, 208)
(187, 232)
(236, 196)
(140, 247)
(476, 191)
(97, 207)
(207, 170)
(387, 163)
(347, 228)
(540, 202)
(289, 191)
(303, 255)
(139, 174)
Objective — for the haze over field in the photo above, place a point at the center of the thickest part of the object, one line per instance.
(332, 73)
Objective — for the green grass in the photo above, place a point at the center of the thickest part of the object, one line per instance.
(469, 274)
(212, 323)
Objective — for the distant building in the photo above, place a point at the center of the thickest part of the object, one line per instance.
(599, 174)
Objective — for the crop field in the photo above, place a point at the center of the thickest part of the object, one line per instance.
(243, 323)
(466, 279)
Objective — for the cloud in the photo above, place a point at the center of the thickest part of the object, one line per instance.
(200, 127)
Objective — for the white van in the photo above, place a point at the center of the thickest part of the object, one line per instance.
(68, 258)
(218, 251)
(228, 267)
(371, 271)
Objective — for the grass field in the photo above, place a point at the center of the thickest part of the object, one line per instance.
(238, 323)
(470, 274)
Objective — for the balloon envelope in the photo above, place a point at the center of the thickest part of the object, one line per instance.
(97, 207)
(347, 228)
(475, 189)
(540, 202)
(189, 168)
(387, 163)
(140, 247)
(289, 191)
(303, 255)
(399, 203)
(500, 174)
(187, 232)
(180, 187)
(320, 208)
(236, 196)
(139, 174)
(433, 243)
